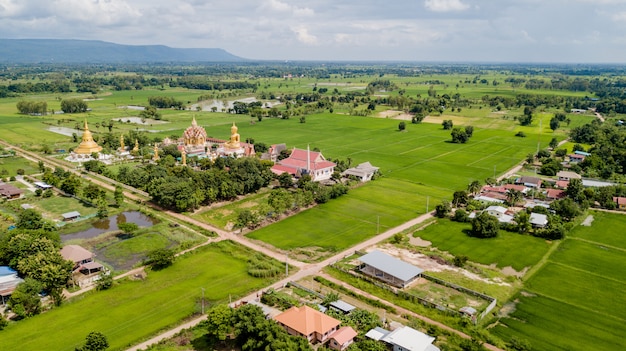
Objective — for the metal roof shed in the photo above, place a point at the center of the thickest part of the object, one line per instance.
(389, 269)
(342, 306)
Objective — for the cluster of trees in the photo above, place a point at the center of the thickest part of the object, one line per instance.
(608, 150)
(165, 102)
(462, 135)
(33, 251)
(73, 105)
(380, 85)
(32, 107)
(205, 83)
(248, 329)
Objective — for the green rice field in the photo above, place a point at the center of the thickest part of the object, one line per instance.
(580, 288)
(133, 310)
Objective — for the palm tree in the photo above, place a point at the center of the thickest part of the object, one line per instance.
(474, 187)
(514, 196)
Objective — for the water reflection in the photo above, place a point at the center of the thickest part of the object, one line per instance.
(108, 224)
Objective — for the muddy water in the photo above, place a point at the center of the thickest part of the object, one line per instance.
(109, 224)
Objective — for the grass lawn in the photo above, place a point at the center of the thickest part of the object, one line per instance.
(508, 249)
(134, 310)
(10, 165)
(53, 207)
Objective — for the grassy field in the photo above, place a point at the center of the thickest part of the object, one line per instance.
(10, 165)
(134, 310)
(580, 288)
(508, 249)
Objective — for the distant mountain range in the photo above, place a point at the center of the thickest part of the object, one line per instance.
(95, 51)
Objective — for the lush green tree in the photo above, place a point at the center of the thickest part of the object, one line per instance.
(3, 321)
(330, 298)
(285, 180)
(566, 208)
(247, 218)
(29, 219)
(92, 191)
(522, 219)
(474, 187)
(447, 124)
(460, 197)
(459, 136)
(485, 225)
(553, 143)
(443, 209)
(95, 341)
(104, 282)
(118, 195)
(160, 258)
(280, 200)
(401, 126)
(469, 130)
(71, 184)
(103, 207)
(554, 123)
(25, 301)
(150, 112)
(574, 190)
(219, 322)
(73, 105)
(460, 215)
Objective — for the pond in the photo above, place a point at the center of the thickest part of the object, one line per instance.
(109, 224)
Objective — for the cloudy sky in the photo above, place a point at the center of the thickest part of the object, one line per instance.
(408, 30)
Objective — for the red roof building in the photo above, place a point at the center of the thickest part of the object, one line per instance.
(309, 323)
(342, 338)
(555, 194)
(620, 202)
(302, 162)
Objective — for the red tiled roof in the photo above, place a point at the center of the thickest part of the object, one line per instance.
(562, 183)
(306, 320)
(515, 187)
(280, 169)
(499, 196)
(555, 193)
(298, 159)
(494, 189)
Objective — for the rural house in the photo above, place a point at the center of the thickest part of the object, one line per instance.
(568, 175)
(8, 282)
(409, 339)
(342, 338)
(10, 192)
(620, 202)
(309, 323)
(82, 258)
(389, 269)
(364, 171)
(531, 182)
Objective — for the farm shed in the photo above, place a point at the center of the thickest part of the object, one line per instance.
(389, 269)
(70, 216)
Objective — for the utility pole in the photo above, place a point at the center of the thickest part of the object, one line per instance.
(202, 300)
(377, 224)
(286, 265)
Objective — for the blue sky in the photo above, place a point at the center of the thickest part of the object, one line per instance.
(412, 30)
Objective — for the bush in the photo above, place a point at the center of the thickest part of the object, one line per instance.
(160, 258)
(105, 281)
(521, 134)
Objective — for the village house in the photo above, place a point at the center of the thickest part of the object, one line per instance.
(364, 172)
(567, 175)
(555, 194)
(530, 182)
(575, 158)
(403, 339)
(308, 323)
(9, 281)
(342, 338)
(70, 216)
(10, 192)
(82, 258)
(538, 220)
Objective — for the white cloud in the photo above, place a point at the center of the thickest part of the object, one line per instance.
(304, 36)
(279, 6)
(619, 16)
(98, 12)
(445, 5)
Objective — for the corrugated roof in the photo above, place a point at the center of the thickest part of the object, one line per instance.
(391, 265)
(409, 339)
(342, 306)
(71, 214)
(376, 333)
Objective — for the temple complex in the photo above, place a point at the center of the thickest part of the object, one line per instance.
(195, 143)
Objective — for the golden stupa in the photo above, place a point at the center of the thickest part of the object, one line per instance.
(234, 142)
(87, 146)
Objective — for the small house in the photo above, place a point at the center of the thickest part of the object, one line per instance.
(9, 281)
(500, 213)
(70, 216)
(538, 220)
(377, 333)
(364, 171)
(575, 158)
(42, 185)
(342, 306)
(555, 194)
(531, 182)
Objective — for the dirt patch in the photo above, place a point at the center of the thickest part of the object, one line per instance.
(432, 264)
(587, 222)
(527, 294)
(308, 254)
(395, 114)
(508, 270)
(456, 120)
(417, 241)
(508, 308)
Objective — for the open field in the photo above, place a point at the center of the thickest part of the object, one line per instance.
(580, 288)
(508, 249)
(10, 165)
(134, 310)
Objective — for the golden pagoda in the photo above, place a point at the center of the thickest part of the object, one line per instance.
(122, 147)
(136, 147)
(234, 142)
(87, 146)
(183, 155)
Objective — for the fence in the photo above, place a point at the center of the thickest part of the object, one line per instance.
(306, 289)
(411, 297)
